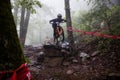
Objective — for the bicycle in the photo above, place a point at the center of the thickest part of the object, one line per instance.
(59, 35)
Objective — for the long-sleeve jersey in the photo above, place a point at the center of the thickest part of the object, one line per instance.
(55, 22)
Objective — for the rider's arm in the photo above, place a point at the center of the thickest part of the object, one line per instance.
(52, 21)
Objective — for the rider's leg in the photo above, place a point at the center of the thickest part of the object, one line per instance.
(63, 36)
(54, 32)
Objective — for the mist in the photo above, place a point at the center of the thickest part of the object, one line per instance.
(39, 29)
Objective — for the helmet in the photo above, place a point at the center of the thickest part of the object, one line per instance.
(59, 15)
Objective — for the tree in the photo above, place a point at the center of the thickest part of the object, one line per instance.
(26, 9)
(104, 10)
(25, 16)
(24, 24)
(108, 10)
(69, 25)
(11, 53)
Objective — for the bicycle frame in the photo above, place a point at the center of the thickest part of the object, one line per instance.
(59, 35)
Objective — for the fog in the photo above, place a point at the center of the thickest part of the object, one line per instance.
(39, 29)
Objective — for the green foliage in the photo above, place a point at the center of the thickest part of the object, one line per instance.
(104, 45)
(27, 60)
(110, 45)
(79, 20)
(29, 4)
(38, 3)
(104, 10)
(101, 10)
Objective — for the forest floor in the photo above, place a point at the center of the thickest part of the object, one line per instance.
(49, 62)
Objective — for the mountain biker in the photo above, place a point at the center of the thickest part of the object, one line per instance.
(55, 22)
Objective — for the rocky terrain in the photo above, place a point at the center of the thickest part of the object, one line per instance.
(50, 62)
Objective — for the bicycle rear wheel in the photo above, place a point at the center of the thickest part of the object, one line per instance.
(59, 38)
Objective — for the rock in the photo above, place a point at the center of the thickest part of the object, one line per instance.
(38, 66)
(37, 46)
(52, 51)
(75, 61)
(84, 56)
(34, 69)
(32, 62)
(65, 45)
(41, 53)
(93, 59)
(75, 74)
(76, 67)
(83, 59)
(51, 79)
(95, 53)
(52, 62)
(70, 72)
(65, 51)
(66, 63)
(41, 57)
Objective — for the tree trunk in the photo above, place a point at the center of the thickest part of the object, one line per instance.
(22, 39)
(69, 24)
(11, 53)
(24, 24)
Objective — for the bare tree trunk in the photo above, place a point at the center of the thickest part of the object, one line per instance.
(69, 24)
(22, 39)
(11, 53)
(24, 24)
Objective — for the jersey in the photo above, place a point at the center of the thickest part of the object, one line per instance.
(56, 21)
